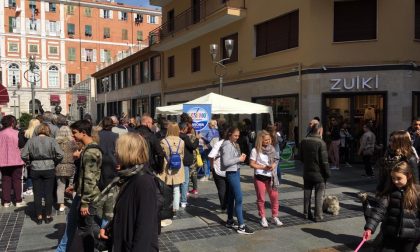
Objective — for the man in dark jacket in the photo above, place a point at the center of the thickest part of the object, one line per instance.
(314, 155)
(414, 131)
(156, 153)
(188, 160)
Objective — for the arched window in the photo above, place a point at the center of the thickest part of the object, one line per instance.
(14, 75)
(53, 80)
(35, 76)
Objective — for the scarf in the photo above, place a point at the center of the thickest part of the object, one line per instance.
(120, 180)
(273, 157)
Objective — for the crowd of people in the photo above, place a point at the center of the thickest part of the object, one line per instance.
(111, 174)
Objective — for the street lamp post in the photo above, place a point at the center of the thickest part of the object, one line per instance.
(219, 68)
(31, 69)
(32, 79)
(105, 85)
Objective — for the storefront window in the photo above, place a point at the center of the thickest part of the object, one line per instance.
(285, 111)
(142, 105)
(354, 110)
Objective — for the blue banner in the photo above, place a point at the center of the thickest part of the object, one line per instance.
(200, 114)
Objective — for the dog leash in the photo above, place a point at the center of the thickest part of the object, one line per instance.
(360, 245)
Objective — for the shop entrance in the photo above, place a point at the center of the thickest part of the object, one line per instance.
(356, 109)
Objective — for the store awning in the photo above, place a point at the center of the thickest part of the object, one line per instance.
(55, 98)
(4, 95)
(81, 99)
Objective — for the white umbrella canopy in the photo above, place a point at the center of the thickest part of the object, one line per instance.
(220, 105)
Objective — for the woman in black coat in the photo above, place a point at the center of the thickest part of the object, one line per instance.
(135, 224)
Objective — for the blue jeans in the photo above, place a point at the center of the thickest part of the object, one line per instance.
(234, 196)
(184, 186)
(206, 162)
(71, 226)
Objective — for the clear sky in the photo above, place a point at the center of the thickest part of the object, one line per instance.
(144, 3)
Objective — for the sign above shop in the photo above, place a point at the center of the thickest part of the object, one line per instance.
(355, 83)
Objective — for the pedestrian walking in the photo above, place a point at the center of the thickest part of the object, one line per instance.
(313, 154)
(65, 170)
(399, 149)
(231, 158)
(367, 148)
(334, 149)
(173, 144)
(44, 153)
(135, 223)
(11, 164)
(188, 160)
(219, 176)
(86, 187)
(398, 212)
(345, 141)
(264, 159)
(414, 131)
(28, 134)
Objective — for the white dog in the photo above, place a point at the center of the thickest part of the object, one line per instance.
(331, 205)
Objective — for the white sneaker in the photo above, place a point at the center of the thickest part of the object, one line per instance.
(183, 205)
(264, 222)
(348, 165)
(165, 223)
(21, 204)
(61, 209)
(6, 205)
(334, 168)
(276, 221)
(204, 179)
(28, 192)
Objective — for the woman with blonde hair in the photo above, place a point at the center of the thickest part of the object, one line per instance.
(264, 160)
(43, 152)
(28, 134)
(64, 171)
(135, 221)
(173, 144)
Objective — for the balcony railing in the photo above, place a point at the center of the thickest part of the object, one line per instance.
(189, 17)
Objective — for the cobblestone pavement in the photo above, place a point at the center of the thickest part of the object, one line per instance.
(200, 227)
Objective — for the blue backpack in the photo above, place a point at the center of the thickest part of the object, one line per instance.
(174, 160)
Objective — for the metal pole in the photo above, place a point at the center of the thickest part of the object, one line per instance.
(19, 103)
(105, 106)
(14, 107)
(33, 97)
(221, 84)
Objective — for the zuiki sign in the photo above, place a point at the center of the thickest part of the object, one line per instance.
(355, 83)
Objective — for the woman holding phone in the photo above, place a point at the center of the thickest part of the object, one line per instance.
(231, 158)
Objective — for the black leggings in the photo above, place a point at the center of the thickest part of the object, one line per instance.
(222, 189)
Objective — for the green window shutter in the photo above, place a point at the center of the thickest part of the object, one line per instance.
(124, 34)
(139, 35)
(10, 24)
(88, 30)
(107, 32)
(70, 28)
(72, 53)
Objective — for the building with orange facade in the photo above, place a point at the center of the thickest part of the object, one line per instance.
(69, 41)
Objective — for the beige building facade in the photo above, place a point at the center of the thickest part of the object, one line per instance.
(342, 59)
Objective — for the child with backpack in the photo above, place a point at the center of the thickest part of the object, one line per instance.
(398, 210)
(173, 168)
